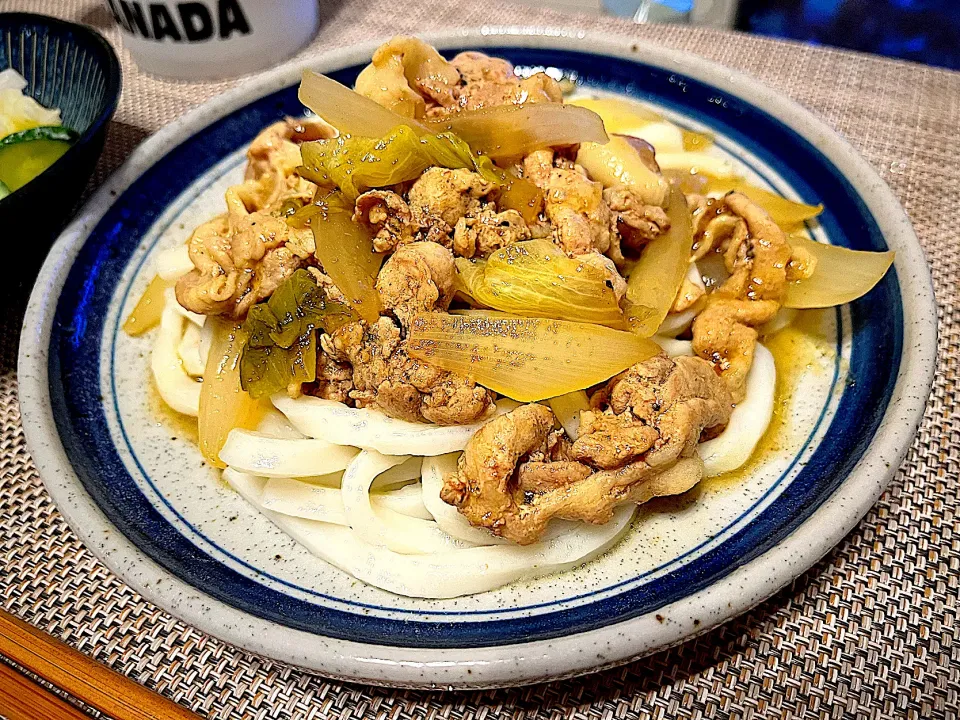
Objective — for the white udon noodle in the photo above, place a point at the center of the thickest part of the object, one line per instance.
(361, 490)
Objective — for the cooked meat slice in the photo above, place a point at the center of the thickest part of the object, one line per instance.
(334, 377)
(634, 222)
(276, 147)
(479, 234)
(388, 217)
(418, 277)
(407, 75)
(487, 81)
(572, 202)
(757, 254)
(440, 197)
(511, 481)
(238, 260)
(387, 378)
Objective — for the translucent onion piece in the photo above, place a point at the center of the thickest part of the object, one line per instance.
(841, 275)
(146, 313)
(522, 195)
(223, 403)
(748, 422)
(510, 131)
(452, 573)
(619, 163)
(177, 389)
(400, 533)
(447, 517)
(259, 454)
(189, 351)
(348, 111)
(173, 263)
(655, 279)
(535, 278)
(362, 427)
(526, 359)
(345, 249)
(567, 409)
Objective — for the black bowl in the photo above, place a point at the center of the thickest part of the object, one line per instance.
(73, 68)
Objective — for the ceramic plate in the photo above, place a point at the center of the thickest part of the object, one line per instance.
(133, 487)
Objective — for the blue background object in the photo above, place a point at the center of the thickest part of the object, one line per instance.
(926, 31)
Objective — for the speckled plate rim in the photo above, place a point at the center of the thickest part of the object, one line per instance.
(517, 664)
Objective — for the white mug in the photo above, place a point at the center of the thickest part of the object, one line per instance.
(209, 39)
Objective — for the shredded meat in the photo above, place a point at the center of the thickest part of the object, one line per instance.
(512, 482)
(757, 258)
(479, 234)
(572, 202)
(417, 278)
(441, 197)
(388, 217)
(634, 222)
(487, 81)
(387, 378)
(615, 280)
(334, 377)
(238, 260)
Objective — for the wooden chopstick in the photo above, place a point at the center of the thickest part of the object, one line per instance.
(22, 699)
(76, 674)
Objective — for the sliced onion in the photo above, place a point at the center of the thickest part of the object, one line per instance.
(750, 419)
(173, 263)
(177, 389)
(447, 517)
(362, 427)
(567, 409)
(223, 403)
(189, 351)
(526, 359)
(259, 454)
(840, 275)
(618, 163)
(348, 111)
(655, 279)
(148, 310)
(447, 574)
(510, 131)
(382, 527)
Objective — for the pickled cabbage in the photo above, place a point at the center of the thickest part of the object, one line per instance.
(345, 249)
(536, 279)
(510, 131)
(357, 163)
(281, 345)
(655, 278)
(841, 275)
(524, 358)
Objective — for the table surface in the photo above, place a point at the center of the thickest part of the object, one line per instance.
(868, 632)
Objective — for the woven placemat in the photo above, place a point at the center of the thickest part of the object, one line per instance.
(869, 632)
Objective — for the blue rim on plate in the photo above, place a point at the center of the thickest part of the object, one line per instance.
(883, 336)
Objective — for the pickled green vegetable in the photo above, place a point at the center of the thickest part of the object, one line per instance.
(26, 154)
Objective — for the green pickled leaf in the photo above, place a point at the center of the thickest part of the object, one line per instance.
(355, 164)
(266, 370)
(300, 306)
